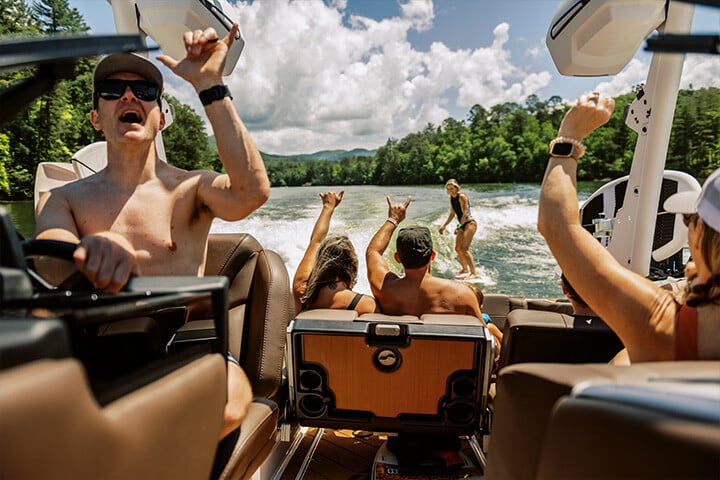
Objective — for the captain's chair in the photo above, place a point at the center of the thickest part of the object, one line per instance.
(260, 310)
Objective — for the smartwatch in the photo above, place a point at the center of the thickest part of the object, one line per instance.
(565, 147)
(562, 150)
(218, 92)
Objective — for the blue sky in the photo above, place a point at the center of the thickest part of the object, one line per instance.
(330, 74)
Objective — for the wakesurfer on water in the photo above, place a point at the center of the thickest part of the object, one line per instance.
(466, 228)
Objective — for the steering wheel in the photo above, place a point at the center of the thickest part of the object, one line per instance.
(63, 251)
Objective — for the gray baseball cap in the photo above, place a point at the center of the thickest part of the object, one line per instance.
(126, 62)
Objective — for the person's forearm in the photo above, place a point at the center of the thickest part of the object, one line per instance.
(238, 153)
(558, 206)
(55, 270)
(381, 239)
(322, 225)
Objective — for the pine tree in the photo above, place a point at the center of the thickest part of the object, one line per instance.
(56, 16)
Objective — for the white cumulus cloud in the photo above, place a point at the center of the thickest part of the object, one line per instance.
(314, 77)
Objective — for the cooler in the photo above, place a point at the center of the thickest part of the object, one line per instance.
(387, 373)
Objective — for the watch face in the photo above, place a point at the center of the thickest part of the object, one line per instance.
(562, 149)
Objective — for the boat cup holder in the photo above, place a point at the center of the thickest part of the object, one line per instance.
(460, 413)
(460, 407)
(313, 400)
(310, 380)
(312, 405)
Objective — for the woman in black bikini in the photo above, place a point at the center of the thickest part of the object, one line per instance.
(466, 228)
(328, 270)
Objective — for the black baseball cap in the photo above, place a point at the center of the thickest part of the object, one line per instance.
(414, 246)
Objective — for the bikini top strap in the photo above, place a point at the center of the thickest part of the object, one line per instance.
(355, 301)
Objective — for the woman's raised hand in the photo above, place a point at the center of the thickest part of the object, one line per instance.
(332, 199)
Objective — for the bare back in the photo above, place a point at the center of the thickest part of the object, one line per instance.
(417, 295)
(336, 296)
(160, 215)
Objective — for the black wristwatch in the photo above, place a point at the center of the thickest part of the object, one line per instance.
(218, 92)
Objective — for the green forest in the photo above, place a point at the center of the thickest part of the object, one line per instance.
(506, 143)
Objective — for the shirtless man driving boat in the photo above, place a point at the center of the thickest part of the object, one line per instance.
(141, 215)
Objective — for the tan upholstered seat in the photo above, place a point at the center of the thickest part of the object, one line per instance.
(260, 310)
(51, 426)
(667, 428)
(528, 393)
(499, 305)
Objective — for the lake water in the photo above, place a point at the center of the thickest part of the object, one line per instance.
(510, 254)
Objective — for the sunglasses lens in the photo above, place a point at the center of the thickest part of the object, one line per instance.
(144, 91)
(114, 89)
(111, 89)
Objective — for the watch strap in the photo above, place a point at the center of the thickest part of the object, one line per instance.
(217, 92)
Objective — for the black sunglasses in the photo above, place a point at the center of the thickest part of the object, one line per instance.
(115, 89)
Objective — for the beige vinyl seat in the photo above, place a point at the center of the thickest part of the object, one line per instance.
(666, 428)
(260, 310)
(52, 424)
(527, 399)
(499, 305)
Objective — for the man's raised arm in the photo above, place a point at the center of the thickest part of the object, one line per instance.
(245, 186)
(377, 266)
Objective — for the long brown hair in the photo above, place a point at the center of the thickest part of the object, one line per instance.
(708, 292)
(336, 260)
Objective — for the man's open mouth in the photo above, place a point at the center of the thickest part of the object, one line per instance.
(130, 117)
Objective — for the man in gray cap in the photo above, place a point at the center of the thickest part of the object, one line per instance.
(141, 215)
(417, 292)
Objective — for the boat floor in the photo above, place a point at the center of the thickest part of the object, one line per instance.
(345, 455)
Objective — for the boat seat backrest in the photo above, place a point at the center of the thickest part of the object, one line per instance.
(352, 316)
(546, 336)
(527, 394)
(260, 310)
(498, 305)
(51, 425)
(328, 314)
(260, 306)
(559, 306)
(649, 430)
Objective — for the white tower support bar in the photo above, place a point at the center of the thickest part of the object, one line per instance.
(634, 227)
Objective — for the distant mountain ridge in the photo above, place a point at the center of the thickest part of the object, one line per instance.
(331, 155)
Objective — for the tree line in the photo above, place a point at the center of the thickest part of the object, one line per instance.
(509, 143)
(505, 143)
